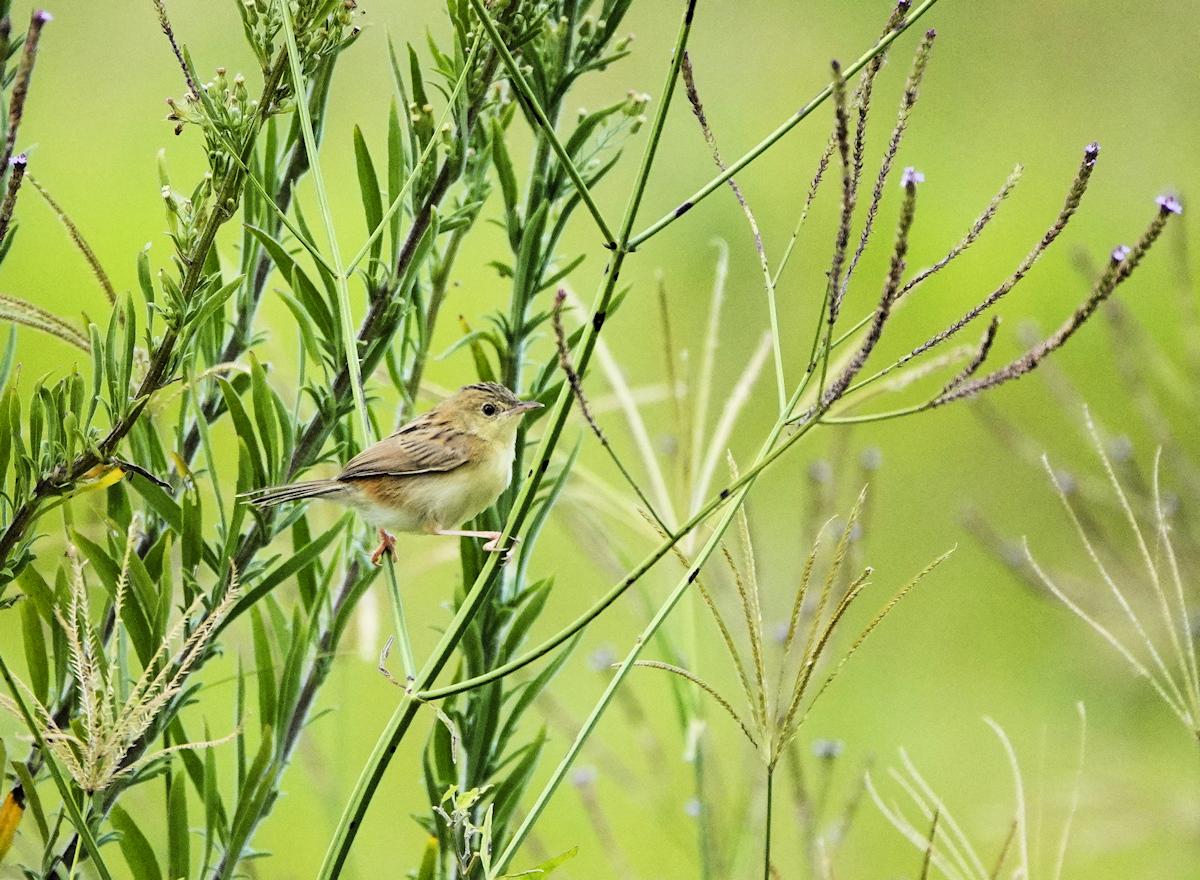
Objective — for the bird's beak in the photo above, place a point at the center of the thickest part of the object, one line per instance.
(525, 406)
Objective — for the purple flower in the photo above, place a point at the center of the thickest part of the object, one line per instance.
(1121, 252)
(1091, 153)
(827, 749)
(1169, 204)
(911, 177)
(584, 776)
(19, 159)
(42, 16)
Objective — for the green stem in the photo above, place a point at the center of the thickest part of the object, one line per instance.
(767, 829)
(660, 616)
(343, 291)
(790, 123)
(767, 454)
(398, 618)
(531, 103)
(878, 417)
(398, 725)
(75, 854)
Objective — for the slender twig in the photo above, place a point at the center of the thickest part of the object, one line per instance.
(790, 123)
(350, 349)
(769, 282)
(20, 89)
(77, 237)
(576, 383)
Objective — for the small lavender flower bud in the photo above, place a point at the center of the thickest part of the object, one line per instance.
(1169, 204)
(911, 178)
(584, 776)
(1066, 482)
(602, 658)
(871, 458)
(1121, 252)
(820, 471)
(1091, 153)
(1121, 449)
(827, 749)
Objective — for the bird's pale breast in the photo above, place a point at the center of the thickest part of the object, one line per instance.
(428, 502)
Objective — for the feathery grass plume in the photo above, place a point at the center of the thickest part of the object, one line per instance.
(693, 94)
(1171, 668)
(1070, 205)
(1120, 267)
(16, 173)
(972, 235)
(779, 701)
(26, 313)
(79, 241)
(841, 136)
(887, 299)
(112, 722)
(912, 90)
(948, 851)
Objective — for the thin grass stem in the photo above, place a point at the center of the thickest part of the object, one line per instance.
(790, 123)
(399, 620)
(349, 341)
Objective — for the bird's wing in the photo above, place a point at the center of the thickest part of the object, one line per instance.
(407, 454)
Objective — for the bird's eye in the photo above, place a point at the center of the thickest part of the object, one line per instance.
(489, 409)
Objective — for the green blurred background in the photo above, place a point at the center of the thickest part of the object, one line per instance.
(1015, 82)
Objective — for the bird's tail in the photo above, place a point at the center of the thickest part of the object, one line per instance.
(273, 495)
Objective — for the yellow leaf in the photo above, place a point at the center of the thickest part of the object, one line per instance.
(105, 476)
(10, 818)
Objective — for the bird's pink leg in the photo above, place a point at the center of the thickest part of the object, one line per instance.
(493, 542)
(387, 544)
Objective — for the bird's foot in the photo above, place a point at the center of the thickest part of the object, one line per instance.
(387, 544)
(491, 546)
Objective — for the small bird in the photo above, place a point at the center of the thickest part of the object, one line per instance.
(435, 473)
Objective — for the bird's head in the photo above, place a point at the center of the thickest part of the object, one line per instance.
(488, 410)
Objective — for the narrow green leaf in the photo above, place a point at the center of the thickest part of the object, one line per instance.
(264, 668)
(36, 656)
(245, 431)
(265, 417)
(368, 184)
(178, 849)
(33, 800)
(429, 861)
(135, 846)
